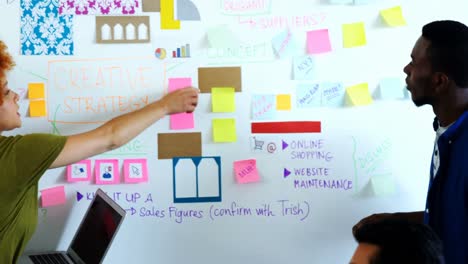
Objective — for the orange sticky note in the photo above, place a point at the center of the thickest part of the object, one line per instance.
(283, 102)
(246, 171)
(167, 15)
(36, 90)
(37, 108)
(53, 196)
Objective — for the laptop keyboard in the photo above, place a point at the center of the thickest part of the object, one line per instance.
(54, 258)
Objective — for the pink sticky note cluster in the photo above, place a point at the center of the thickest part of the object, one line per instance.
(53, 196)
(181, 120)
(246, 171)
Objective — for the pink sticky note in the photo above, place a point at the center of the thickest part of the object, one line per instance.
(53, 196)
(246, 171)
(181, 120)
(318, 41)
(107, 171)
(135, 170)
(179, 83)
(80, 171)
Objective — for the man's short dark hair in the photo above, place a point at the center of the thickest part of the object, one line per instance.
(401, 241)
(448, 49)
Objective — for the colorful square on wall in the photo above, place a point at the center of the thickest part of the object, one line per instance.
(246, 171)
(264, 107)
(197, 179)
(53, 196)
(107, 171)
(80, 171)
(43, 30)
(135, 170)
(99, 7)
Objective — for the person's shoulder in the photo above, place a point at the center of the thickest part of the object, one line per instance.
(42, 138)
(9, 139)
(460, 127)
(31, 139)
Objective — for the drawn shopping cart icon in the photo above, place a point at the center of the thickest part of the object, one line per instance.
(258, 144)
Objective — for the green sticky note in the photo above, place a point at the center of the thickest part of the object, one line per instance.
(223, 99)
(224, 130)
(383, 185)
(359, 94)
(354, 35)
(393, 16)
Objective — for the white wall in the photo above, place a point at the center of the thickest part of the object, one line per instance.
(321, 233)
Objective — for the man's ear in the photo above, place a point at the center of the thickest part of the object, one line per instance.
(441, 82)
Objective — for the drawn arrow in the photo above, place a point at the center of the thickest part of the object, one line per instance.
(131, 210)
(285, 145)
(79, 196)
(286, 173)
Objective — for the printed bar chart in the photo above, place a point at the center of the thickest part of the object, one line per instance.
(182, 52)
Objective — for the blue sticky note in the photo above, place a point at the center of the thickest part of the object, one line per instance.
(391, 88)
(333, 94)
(308, 95)
(303, 68)
(263, 107)
(284, 44)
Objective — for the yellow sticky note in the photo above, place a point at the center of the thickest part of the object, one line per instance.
(167, 15)
(393, 16)
(223, 99)
(283, 102)
(37, 108)
(224, 130)
(359, 94)
(354, 35)
(36, 90)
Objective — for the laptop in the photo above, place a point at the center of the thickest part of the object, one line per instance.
(93, 237)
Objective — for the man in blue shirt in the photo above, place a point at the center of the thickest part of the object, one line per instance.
(438, 75)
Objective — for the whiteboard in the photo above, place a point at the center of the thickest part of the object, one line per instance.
(303, 217)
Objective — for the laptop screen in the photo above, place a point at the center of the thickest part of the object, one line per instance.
(97, 230)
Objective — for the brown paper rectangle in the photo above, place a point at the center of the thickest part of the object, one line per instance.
(179, 145)
(219, 77)
(112, 21)
(151, 6)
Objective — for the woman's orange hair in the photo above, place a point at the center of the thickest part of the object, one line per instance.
(6, 64)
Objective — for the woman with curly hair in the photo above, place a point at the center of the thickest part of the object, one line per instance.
(25, 158)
